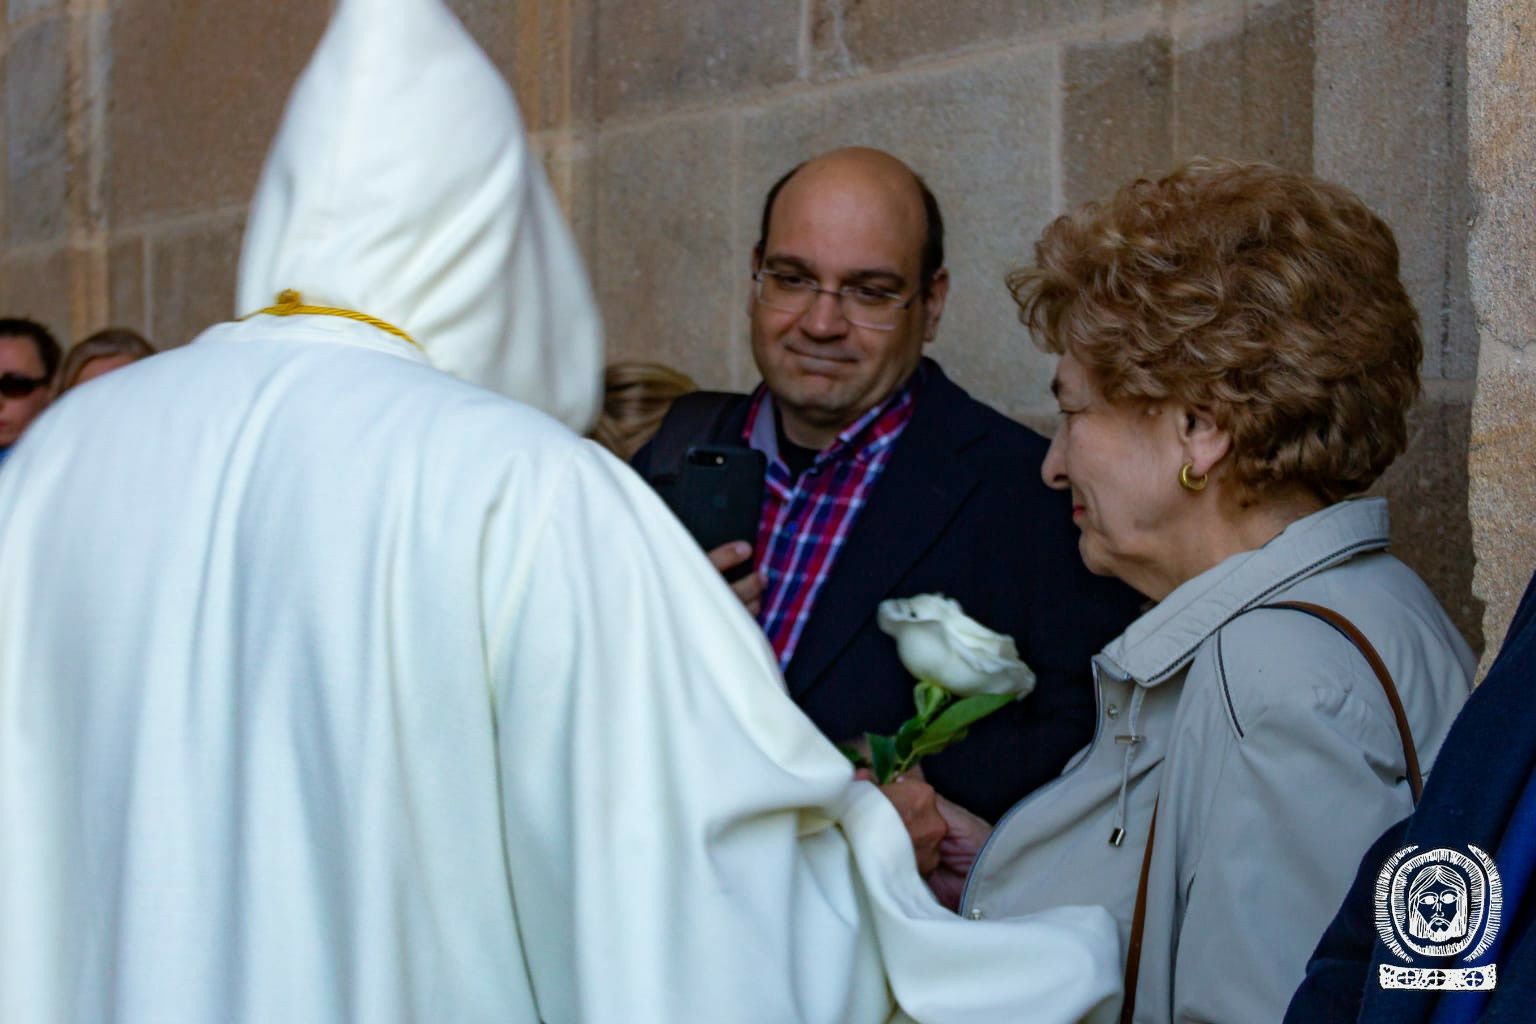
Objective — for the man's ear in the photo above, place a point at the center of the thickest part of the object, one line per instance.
(933, 305)
(1204, 440)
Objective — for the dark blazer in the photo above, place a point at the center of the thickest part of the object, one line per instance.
(1480, 792)
(959, 510)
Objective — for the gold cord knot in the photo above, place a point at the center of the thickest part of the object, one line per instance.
(291, 303)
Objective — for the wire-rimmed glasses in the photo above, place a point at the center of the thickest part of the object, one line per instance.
(861, 304)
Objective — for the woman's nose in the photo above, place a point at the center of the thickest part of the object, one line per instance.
(1054, 469)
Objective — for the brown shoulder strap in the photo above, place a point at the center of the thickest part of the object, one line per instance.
(1354, 636)
(1138, 928)
(1410, 758)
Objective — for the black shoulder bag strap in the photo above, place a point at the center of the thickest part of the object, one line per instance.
(1410, 758)
(693, 419)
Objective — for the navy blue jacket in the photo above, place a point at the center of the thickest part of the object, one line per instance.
(1487, 764)
(959, 510)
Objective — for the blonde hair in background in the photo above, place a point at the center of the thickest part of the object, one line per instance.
(636, 397)
(113, 341)
(1268, 297)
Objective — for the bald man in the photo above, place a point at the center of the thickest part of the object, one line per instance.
(885, 479)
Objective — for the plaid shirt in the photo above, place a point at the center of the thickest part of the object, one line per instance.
(804, 523)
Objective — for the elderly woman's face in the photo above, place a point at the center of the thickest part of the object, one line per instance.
(1121, 464)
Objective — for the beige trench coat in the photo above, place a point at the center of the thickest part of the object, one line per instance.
(1271, 752)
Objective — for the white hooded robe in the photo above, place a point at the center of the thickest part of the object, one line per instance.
(334, 687)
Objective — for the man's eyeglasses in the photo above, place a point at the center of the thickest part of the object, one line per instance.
(16, 385)
(861, 304)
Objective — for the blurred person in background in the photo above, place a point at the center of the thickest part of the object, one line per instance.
(636, 397)
(29, 358)
(102, 352)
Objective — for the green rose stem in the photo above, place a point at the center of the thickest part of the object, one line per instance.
(941, 720)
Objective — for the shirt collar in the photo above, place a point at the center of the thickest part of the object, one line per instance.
(1165, 639)
(852, 441)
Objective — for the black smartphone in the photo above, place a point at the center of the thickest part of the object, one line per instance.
(719, 497)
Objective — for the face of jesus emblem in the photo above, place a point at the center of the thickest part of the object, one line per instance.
(1438, 898)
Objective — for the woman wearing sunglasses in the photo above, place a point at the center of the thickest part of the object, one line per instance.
(29, 355)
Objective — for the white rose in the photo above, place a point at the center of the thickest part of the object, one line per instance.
(938, 642)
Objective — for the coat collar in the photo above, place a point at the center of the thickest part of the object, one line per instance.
(1165, 639)
(917, 495)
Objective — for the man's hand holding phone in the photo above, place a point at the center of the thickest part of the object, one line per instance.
(748, 588)
(718, 497)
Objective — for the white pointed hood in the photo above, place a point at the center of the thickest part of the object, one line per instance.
(401, 185)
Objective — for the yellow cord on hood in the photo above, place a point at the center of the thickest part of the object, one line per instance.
(291, 303)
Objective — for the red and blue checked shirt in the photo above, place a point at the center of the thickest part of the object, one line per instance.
(805, 522)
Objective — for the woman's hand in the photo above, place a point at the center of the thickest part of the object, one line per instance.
(917, 804)
(965, 835)
(945, 836)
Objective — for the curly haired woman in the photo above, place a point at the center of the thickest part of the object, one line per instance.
(1237, 358)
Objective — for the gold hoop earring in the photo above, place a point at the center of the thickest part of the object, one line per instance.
(1190, 483)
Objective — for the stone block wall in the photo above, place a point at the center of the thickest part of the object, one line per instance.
(133, 134)
(45, 200)
(1012, 111)
(1390, 121)
(1502, 255)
